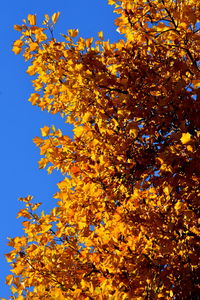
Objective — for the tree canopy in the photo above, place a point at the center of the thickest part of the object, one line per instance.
(126, 224)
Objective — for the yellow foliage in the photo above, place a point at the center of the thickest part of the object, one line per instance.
(126, 222)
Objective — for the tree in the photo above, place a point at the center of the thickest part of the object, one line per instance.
(126, 222)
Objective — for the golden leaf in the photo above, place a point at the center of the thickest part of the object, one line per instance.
(73, 33)
(34, 98)
(111, 2)
(78, 131)
(23, 213)
(55, 17)
(33, 46)
(38, 141)
(186, 137)
(45, 130)
(26, 199)
(9, 279)
(178, 205)
(16, 50)
(100, 35)
(17, 46)
(45, 228)
(18, 27)
(17, 270)
(32, 19)
(31, 70)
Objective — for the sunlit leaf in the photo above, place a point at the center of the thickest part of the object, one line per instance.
(32, 19)
(55, 17)
(45, 130)
(73, 33)
(186, 137)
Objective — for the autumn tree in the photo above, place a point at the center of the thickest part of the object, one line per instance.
(126, 224)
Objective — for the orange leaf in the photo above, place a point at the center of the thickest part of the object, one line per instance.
(32, 19)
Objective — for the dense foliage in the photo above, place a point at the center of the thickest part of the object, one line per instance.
(126, 224)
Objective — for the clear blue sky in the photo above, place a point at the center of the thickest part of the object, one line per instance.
(20, 122)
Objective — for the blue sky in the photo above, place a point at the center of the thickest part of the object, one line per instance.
(20, 122)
